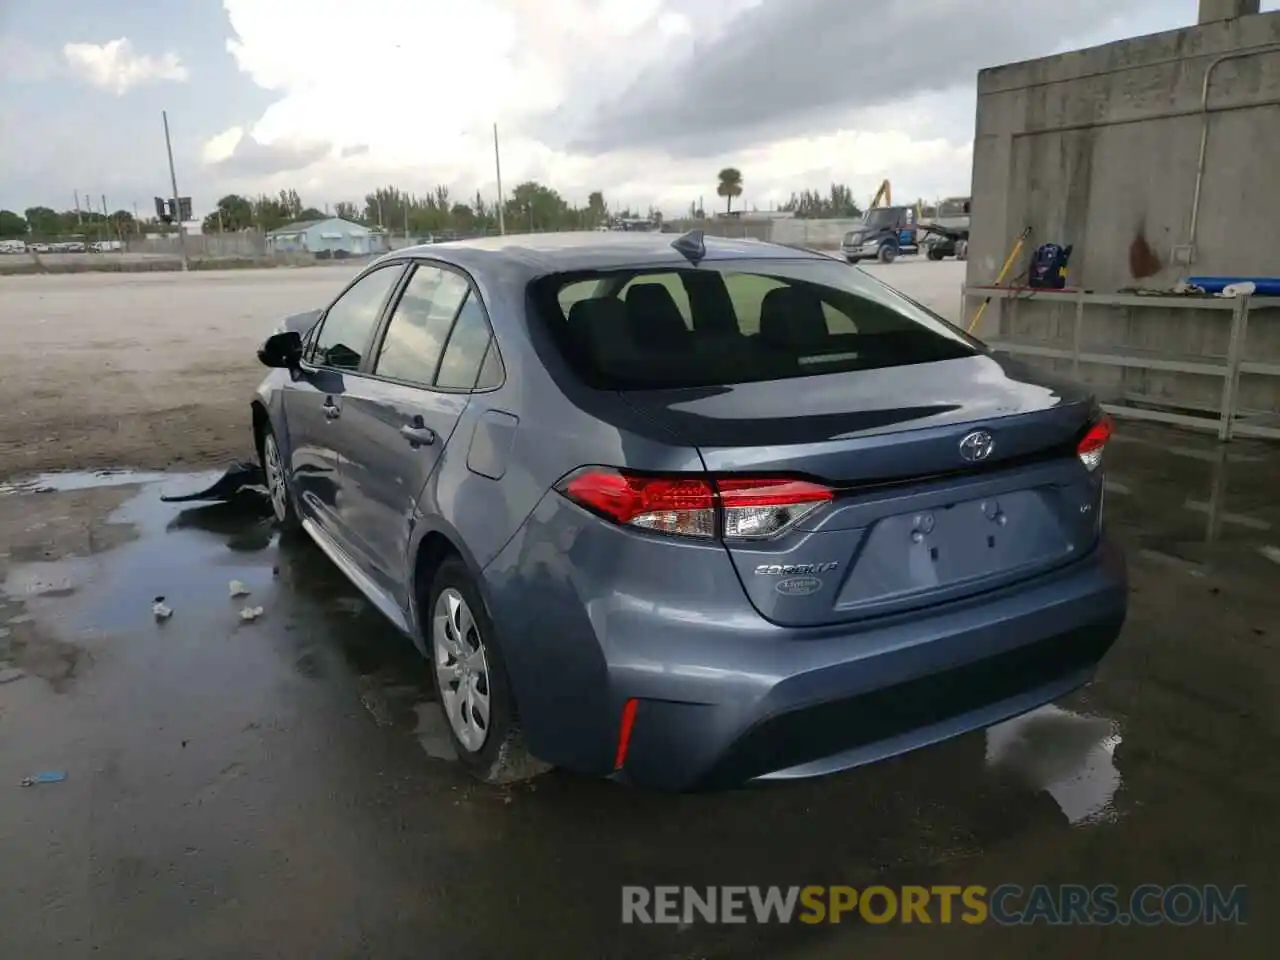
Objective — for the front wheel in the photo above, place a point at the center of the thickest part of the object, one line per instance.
(471, 678)
(278, 487)
(852, 260)
(887, 253)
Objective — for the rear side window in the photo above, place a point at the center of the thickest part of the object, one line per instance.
(419, 326)
(465, 352)
(736, 322)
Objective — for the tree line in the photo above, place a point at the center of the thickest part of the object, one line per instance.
(531, 206)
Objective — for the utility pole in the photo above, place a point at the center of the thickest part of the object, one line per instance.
(497, 168)
(173, 182)
(106, 217)
(79, 221)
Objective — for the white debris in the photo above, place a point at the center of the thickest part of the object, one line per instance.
(250, 613)
(1271, 553)
(238, 589)
(160, 611)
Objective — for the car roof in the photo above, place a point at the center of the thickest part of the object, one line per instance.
(537, 254)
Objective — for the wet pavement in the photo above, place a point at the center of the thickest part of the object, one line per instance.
(283, 787)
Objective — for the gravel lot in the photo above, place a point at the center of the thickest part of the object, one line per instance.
(155, 370)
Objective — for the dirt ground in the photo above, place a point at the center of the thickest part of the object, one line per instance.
(155, 371)
(140, 370)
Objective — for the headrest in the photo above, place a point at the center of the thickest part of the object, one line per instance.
(655, 320)
(600, 324)
(792, 317)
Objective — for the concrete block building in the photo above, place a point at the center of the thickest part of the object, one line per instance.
(1165, 143)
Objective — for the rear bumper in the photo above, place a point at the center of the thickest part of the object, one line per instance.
(724, 697)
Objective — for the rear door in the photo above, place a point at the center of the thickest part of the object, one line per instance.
(313, 401)
(399, 418)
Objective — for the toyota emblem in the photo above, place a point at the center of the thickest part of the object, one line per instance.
(977, 446)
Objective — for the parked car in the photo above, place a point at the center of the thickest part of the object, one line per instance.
(693, 513)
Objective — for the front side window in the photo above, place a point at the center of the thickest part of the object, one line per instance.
(419, 326)
(349, 323)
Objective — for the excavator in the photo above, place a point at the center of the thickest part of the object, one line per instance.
(886, 230)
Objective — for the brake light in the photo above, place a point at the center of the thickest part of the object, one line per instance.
(1094, 442)
(737, 508)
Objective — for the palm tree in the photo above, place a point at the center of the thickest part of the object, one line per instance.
(730, 186)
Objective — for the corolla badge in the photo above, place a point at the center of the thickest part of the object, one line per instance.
(977, 446)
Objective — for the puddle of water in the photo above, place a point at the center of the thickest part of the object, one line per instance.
(64, 482)
(315, 623)
(1065, 754)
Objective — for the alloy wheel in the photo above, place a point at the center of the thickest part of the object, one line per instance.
(462, 669)
(274, 468)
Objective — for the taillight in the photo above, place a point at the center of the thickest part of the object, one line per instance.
(1094, 442)
(755, 508)
(736, 507)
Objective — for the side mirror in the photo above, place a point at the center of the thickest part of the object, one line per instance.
(281, 350)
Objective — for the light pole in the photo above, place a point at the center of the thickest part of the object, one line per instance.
(497, 169)
(173, 182)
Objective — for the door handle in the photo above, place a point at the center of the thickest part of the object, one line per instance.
(331, 410)
(418, 434)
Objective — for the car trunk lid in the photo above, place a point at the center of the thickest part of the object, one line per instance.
(949, 478)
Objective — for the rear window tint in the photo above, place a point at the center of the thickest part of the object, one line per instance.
(737, 322)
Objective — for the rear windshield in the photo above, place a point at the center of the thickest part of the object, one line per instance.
(737, 322)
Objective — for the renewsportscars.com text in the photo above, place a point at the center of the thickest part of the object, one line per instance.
(1007, 904)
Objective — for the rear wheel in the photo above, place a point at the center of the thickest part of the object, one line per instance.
(472, 681)
(277, 477)
(887, 253)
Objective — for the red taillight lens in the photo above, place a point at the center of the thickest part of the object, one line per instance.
(1094, 443)
(747, 508)
(672, 504)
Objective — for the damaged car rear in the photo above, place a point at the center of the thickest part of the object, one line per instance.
(692, 514)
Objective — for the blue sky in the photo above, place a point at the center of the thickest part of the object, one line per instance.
(644, 99)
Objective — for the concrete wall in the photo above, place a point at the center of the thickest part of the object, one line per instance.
(1099, 147)
(819, 234)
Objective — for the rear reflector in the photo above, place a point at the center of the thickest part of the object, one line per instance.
(624, 732)
(1094, 442)
(734, 507)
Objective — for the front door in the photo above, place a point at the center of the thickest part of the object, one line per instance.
(399, 419)
(314, 400)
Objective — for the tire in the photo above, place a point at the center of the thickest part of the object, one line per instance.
(852, 260)
(887, 253)
(279, 488)
(469, 670)
(934, 253)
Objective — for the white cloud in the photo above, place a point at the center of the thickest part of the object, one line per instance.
(222, 146)
(419, 83)
(114, 66)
